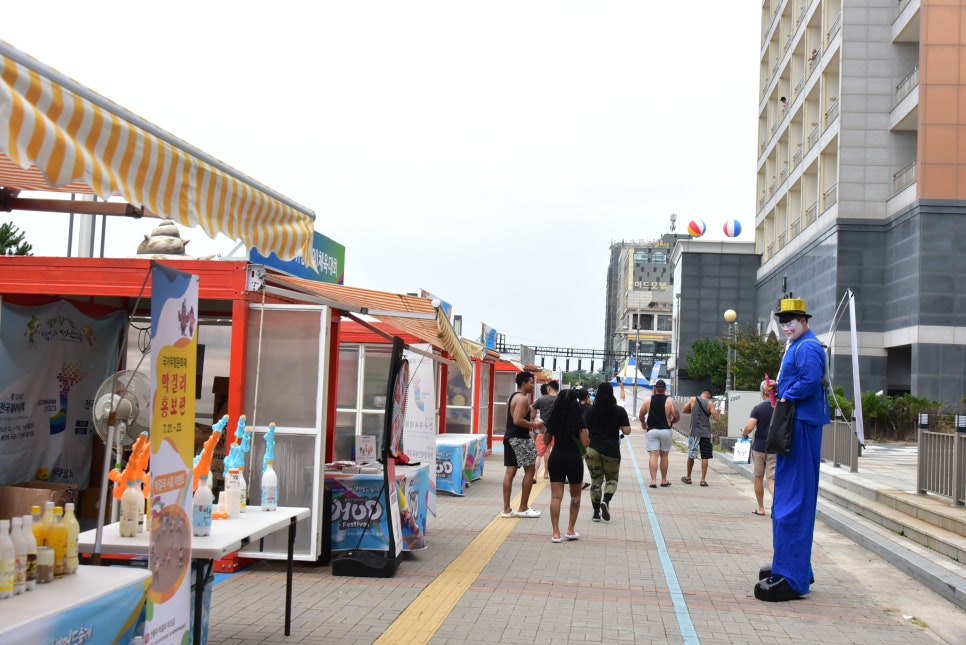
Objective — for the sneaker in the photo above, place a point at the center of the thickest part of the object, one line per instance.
(530, 512)
(604, 511)
(596, 517)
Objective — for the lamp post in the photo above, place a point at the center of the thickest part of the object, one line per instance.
(730, 317)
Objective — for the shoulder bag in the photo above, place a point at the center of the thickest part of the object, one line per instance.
(780, 431)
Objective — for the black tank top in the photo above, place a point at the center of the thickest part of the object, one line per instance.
(656, 416)
(514, 431)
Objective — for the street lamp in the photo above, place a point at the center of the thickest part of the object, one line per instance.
(730, 316)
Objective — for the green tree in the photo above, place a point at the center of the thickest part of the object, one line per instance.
(876, 410)
(754, 357)
(13, 241)
(708, 359)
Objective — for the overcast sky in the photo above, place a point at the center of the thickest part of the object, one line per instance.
(488, 152)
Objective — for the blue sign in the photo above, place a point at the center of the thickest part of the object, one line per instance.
(329, 261)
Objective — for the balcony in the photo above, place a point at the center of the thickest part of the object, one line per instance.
(784, 174)
(906, 85)
(904, 178)
(771, 187)
(769, 251)
(834, 29)
(797, 157)
(796, 228)
(832, 112)
(782, 240)
(814, 60)
(813, 136)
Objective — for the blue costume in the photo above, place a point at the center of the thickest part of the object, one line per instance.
(796, 476)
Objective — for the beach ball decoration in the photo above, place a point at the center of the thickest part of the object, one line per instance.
(696, 228)
(732, 228)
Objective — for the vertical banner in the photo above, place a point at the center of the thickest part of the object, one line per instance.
(174, 346)
(419, 433)
(53, 358)
(489, 337)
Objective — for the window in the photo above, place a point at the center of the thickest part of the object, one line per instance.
(659, 257)
(664, 323)
(360, 411)
(640, 257)
(459, 404)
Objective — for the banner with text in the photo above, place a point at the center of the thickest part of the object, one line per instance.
(53, 358)
(419, 429)
(174, 345)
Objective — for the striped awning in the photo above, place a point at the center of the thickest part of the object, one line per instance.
(57, 135)
(412, 315)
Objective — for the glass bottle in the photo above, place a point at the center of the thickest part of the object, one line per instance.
(19, 556)
(269, 487)
(57, 538)
(7, 558)
(30, 540)
(71, 561)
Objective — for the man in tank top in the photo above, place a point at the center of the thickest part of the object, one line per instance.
(519, 449)
(699, 443)
(657, 415)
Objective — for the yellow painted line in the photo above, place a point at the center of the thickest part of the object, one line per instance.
(420, 621)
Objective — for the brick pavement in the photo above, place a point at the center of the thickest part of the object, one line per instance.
(673, 565)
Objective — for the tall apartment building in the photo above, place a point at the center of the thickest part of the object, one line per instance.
(637, 316)
(862, 181)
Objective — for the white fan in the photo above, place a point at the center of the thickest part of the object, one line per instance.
(128, 394)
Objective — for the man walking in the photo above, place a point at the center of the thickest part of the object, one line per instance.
(699, 443)
(658, 413)
(796, 475)
(763, 462)
(519, 449)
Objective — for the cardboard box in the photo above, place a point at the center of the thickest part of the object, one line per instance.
(17, 499)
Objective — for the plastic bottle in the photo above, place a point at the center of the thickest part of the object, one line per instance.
(132, 504)
(269, 487)
(201, 508)
(232, 494)
(243, 490)
(19, 556)
(37, 525)
(57, 539)
(7, 559)
(31, 541)
(71, 561)
(45, 521)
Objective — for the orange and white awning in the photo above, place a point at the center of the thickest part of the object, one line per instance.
(57, 135)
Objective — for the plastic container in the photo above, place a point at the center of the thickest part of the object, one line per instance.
(71, 561)
(57, 540)
(242, 490)
(233, 494)
(7, 561)
(269, 487)
(201, 507)
(45, 521)
(37, 525)
(45, 564)
(19, 556)
(31, 542)
(132, 505)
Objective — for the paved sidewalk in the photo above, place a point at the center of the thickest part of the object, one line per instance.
(674, 565)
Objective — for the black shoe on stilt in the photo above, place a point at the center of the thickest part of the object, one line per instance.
(775, 589)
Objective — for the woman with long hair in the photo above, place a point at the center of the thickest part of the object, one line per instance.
(569, 432)
(606, 422)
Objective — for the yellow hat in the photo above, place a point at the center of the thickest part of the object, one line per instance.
(792, 308)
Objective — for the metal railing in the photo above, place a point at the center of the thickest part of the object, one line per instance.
(813, 136)
(830, 196)
(797, 157)
(771, 187)
(902, 5)
(832, 113)
(796, 227)
(784, 174)
(904, 178)
(840, 445)
(770, 251)
(834, 29)
(814, 60)
(801, 12)
(811, 213)
(800, 85)
(906, 85)
(782, 240)
(941, 465)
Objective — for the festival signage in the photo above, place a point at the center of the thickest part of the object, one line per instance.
(329, 258)
(53, 358)
(174, 345)
(419, 431)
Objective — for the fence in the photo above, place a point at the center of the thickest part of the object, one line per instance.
(941, 465)
(840, 446)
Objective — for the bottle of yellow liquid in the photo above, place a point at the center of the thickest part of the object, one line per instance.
(57, 540)
(71, 560)
(36, 527)
(45, 521)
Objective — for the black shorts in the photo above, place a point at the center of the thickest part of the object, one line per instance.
(565, 467)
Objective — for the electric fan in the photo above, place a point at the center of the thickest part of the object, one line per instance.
(128, 395)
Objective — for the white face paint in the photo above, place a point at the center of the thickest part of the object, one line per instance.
(793, 329)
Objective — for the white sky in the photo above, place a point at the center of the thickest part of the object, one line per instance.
(488, 152)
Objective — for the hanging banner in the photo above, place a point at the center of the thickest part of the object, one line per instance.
(52, 360)
(174, 346)
(419, 430)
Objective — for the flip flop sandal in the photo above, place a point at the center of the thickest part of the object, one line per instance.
(758, 514)
(665, 484)
(704, 483)
(686, 480)
(556, 540)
